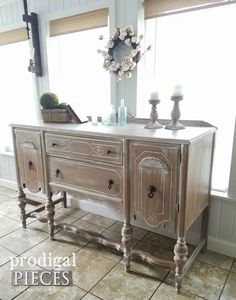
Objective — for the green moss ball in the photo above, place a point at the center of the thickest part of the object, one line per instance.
(61, 105)
(49, 100)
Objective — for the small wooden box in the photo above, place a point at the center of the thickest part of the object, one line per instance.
(56, 115)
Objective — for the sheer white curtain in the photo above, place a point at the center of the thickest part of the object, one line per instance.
(197, 50)
(76, 70)
(16, 90)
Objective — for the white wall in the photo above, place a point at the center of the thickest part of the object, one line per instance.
(222, 228)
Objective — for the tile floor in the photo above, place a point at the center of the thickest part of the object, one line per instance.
(99, 272)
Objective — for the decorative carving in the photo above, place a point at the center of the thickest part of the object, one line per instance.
(152, 163)
(49, 206)
(63, 144)
(180, 258)
(98, 150)
(29, 145)
(153, 218)
(127, 235)
(22, 203)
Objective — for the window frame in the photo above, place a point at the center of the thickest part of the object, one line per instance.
(231, 190)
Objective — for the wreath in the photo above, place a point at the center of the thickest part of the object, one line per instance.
(122, 37)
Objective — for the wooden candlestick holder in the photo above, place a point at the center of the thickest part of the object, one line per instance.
(175, 114)
(153, 124)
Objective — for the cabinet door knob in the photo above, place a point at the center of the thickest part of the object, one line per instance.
(110, 183)
(54, 144)
(57, 173)
(30, 164)
(151, 189)
(108, 151)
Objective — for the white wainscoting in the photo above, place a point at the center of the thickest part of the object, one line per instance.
(7, 171)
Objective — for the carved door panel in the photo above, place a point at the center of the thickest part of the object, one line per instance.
(29, 158)
(154, 171)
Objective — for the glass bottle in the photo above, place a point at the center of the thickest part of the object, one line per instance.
(122, 113)
(112, 115)
(109, 116)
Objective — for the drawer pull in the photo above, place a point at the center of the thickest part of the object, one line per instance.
(57, 173)
(151, 190)
(30, 165)
(108, 151)
(54, 144)
(110, 183)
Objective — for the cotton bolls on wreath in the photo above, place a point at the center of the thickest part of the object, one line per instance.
(123, 38)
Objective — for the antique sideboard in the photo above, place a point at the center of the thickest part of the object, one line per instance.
(161, 178)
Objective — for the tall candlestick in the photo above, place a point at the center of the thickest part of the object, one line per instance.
(153, 124)
(175, 114)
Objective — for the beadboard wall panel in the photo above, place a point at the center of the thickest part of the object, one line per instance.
(7, 171)
(11, 11)
(226, 220)
(222, 226)
(10, 15)
(215, 215)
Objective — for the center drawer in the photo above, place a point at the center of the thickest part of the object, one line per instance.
(85, 177)
(84, 148)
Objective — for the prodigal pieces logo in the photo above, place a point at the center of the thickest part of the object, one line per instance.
(21, 275)
(39, 277)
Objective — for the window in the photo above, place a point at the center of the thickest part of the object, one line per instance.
(16, 92)
(75, 67)
(197, 50)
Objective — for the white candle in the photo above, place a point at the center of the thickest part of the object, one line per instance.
(177, 91)
(154, 96)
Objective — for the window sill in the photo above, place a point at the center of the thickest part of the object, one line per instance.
(222, 196)
(7, 153)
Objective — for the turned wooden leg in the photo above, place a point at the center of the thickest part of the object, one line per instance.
(63, 195)
(49, 206)
(204, 228)
(127, 234)
(22, 203)
(180, 258)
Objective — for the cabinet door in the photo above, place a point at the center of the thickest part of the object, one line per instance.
(29, 159)
(154, 172)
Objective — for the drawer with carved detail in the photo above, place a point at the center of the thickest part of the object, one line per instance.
(84, 148)
(154, 184)
(85, 177)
